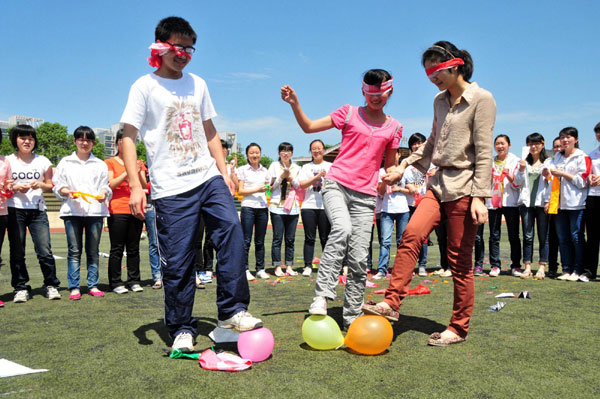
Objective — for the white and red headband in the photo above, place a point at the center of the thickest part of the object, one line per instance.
(158, 49)
(378, 90)
(443, 65)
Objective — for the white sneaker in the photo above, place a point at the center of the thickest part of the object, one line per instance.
(446, 273)
(136, 288)
(584, 277)
(120, 290)
(345, 270)
(241, 321)
(516, 272)
(564, 276)
(318, 306)
(184, 342)
(307, 271)
(291, 271)
(495, 272)
(378, 276)
(21, 296)
(438, 272)
(52, 292)
(573, 277)
(262, 274)
(422, 271)
(279, 272)
(250, 276)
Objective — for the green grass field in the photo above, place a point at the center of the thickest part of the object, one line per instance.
(546, 347)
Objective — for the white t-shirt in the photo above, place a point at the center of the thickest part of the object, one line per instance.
(313, 198)
(595, 157)
(23, 173)
(393, 202)
(254, 178)
(275, 171)
(414, 176)
(168, 114)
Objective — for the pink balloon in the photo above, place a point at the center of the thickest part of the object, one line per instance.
(256, 345)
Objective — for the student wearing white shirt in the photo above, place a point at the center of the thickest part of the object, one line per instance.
(32, 176)
(253, 182)
(313, 211)
(531, 204)
(79, 174)
(284, 179)
(394, 209)
(504, 171)
(592, 213)
(572, 166)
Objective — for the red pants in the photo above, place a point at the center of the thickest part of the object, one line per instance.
(461, 238)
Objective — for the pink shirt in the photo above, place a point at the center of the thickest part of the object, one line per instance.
(363, 146)
(5, 173)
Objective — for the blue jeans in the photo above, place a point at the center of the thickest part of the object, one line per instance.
(422, 262)
(19, 220)
(387, 228)
(74, 227)
(511, 215)
(257, 219)
(177, 219)
(530, 215)
(479, 246)
(313, 219)
(152, 242)
(569, 227)
(283, 224)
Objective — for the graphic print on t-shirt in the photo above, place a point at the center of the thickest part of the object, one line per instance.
(185, 132)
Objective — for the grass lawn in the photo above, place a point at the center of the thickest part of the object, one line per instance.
(546, 347)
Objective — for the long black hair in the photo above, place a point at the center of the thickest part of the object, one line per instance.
(536, 138)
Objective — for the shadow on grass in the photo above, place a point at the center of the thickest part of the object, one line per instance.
(413, 323)
(203, 326)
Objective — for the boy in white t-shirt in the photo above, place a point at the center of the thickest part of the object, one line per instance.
(173, 113)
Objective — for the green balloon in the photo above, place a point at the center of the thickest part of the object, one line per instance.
(322, 332)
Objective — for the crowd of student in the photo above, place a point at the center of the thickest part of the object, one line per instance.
(449, 184)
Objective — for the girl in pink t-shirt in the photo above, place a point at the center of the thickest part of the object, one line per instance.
(350, 186)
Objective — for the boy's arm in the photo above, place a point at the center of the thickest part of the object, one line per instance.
(216, 151)
(137, 199)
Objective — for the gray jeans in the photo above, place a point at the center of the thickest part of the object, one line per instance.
(351, 217)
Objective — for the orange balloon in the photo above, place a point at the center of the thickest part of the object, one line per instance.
(369, 335)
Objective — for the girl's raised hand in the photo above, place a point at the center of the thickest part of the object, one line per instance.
(289, 95)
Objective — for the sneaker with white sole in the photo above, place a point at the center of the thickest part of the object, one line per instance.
(136, 288)
(422, 271)
(379, 276)
(204, 277)
(446, 273)
(262, 274)
(250, 276)
(564, 276)
(120, 290)
(241, 321)
(516, 272)
(21, 296)
(279, 272)
(291, 271)
(307, 271)
(573, 277)
(495, 272)
(585, 277)
(184, 342)
(52, 292)
(318, 306)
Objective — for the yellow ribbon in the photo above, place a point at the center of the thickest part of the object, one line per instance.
(85, 196)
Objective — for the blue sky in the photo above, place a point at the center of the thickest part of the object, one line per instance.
(73, 62)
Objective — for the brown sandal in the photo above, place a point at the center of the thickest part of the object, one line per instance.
(371, 307)
(436, 339)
